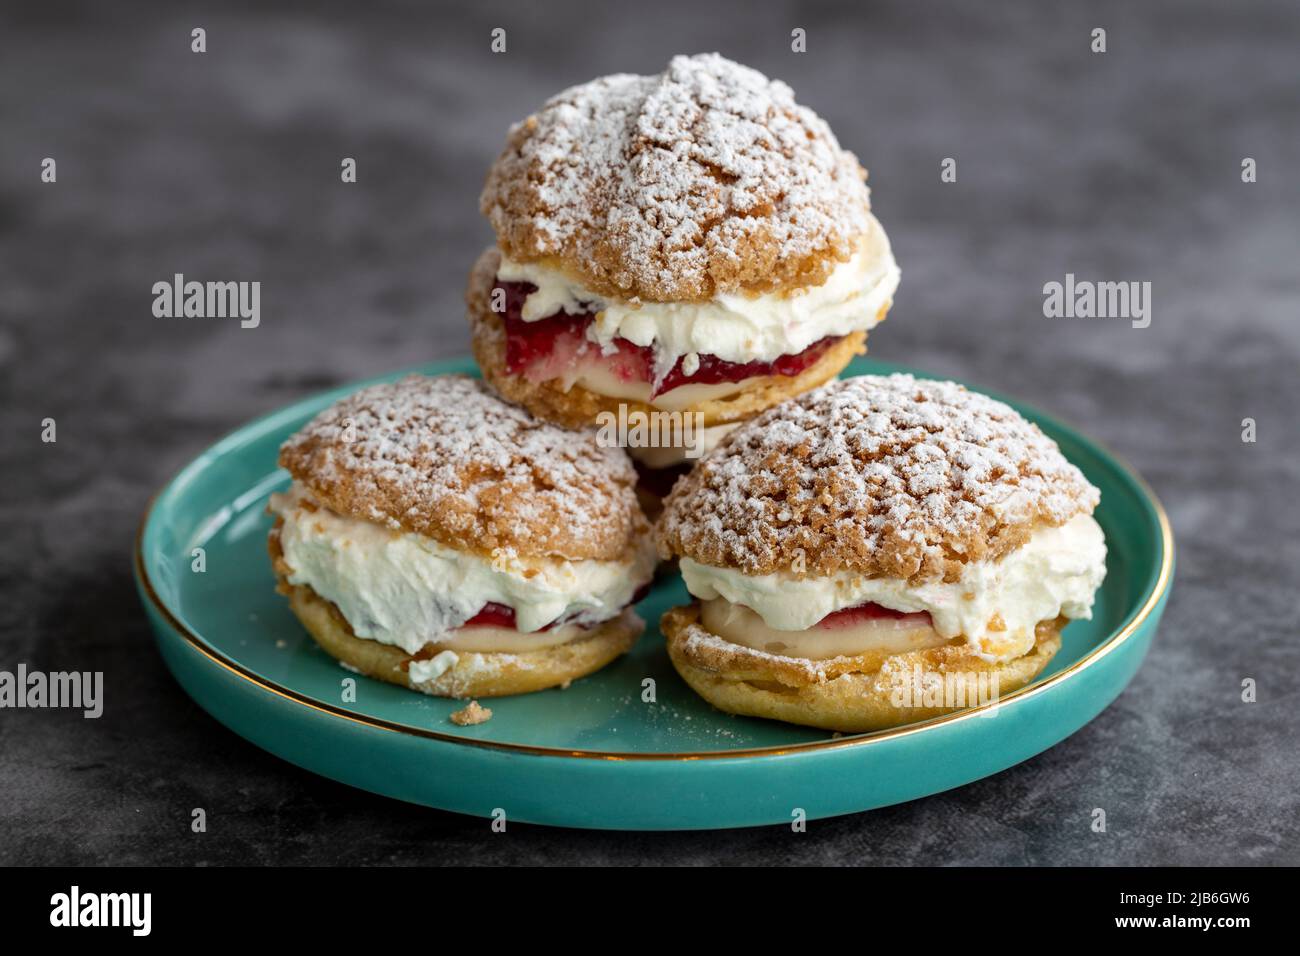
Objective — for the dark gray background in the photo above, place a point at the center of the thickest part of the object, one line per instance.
(226, 165)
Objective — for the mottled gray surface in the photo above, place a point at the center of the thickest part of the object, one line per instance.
(1119, 166)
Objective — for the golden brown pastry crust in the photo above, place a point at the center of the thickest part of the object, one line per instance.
(446, 458)
(473, 674)
(886, 476)
(851, 694)
(706, 178)
(578, 407)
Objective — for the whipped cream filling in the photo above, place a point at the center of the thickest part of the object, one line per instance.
(408, 590)
(995, 605)
(671, 455)
(433, 668)
(734, 327)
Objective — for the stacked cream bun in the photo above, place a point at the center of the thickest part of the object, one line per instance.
(693, 241)
(855, 548)
(438, 538)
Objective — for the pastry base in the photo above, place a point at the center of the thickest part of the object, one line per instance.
(474, 674)
(851, 694)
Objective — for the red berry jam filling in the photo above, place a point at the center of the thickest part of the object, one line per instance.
(545, 348)
(865, 613)
(714, 370)
(493, 614)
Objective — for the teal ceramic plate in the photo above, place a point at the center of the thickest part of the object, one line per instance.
(596, 754)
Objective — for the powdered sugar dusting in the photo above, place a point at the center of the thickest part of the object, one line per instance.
(889, 476)
(444, 457)
(707, 177)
